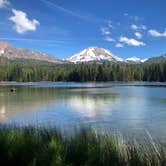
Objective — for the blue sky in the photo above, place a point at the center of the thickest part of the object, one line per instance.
(61, 28)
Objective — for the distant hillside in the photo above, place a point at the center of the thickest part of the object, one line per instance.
(158, 59)
(10, 52)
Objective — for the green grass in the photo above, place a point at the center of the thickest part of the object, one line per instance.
(48, 147)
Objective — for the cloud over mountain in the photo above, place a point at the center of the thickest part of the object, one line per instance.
(138, 27)
(119, 45)
(138, 35)
(22, 23)
(155, 33)
(131, 41)
(105, 31)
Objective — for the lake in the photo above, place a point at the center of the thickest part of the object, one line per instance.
(129, 108)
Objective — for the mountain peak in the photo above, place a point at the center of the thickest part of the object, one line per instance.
(94, 53)
(4, 44)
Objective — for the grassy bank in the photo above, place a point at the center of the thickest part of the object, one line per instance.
(31, 147)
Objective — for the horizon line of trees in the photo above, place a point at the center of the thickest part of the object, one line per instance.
(31, 71)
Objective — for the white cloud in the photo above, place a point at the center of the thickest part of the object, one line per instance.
(138, 35)
(155, 33)
(22, 23)
(119, 45)
(4, 3)
(109, 39)
(110, 24)
(105, 31)
(138, 27)
(134, 27)
(131, 42)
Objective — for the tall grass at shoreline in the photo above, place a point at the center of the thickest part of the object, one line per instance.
(49, 147)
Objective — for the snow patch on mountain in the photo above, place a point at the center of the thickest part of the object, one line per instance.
(2, 52)
(135, 59)
(144, 60)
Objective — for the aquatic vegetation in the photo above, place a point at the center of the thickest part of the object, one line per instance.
(40, 147)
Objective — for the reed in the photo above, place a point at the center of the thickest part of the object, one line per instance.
(49, 147)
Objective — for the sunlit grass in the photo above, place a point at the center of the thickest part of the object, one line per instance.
(48, 147)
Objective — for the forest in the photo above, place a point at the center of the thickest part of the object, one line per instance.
(33, 71)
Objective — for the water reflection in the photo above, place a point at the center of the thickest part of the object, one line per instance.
(3, 114)
(91, 105)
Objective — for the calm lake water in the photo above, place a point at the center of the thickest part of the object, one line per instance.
(128, 108)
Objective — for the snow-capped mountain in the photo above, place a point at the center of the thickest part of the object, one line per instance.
(94, 54)
(135, 59)
(10, 52)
